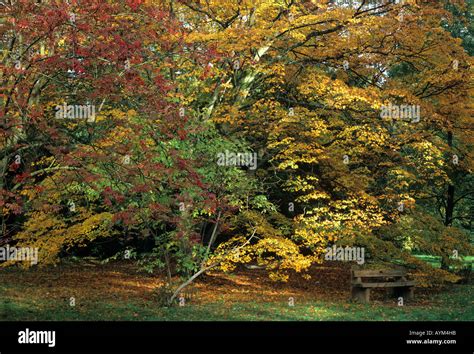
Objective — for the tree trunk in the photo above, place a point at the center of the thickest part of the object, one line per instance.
(449, 206)
(189, 281)
(448, 219)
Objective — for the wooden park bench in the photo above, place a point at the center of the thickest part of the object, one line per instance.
(364, 280)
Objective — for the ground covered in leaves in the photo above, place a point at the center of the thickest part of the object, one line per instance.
(120, 291)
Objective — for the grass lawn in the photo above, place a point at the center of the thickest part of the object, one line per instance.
(435, 261)
(121, 293)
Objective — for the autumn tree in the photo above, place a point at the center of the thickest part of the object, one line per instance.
(306, 82)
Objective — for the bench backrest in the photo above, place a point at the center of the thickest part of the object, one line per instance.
(360, 276)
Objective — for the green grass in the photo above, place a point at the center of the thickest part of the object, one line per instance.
(454, 304)
(435, 261)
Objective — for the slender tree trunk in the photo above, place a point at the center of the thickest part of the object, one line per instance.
(189, 281)
(448, 219)
(168, 266)
(203, 270)
(449, 206)
(212, 239)
(450, 197)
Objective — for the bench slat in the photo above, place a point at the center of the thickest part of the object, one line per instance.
(378, 273)
(385, 285)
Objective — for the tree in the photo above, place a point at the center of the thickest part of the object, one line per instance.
(307, 83)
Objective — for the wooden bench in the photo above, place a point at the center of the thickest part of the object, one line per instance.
(364, 280)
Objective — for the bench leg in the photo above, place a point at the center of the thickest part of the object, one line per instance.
(361, 295)
(406, 292)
